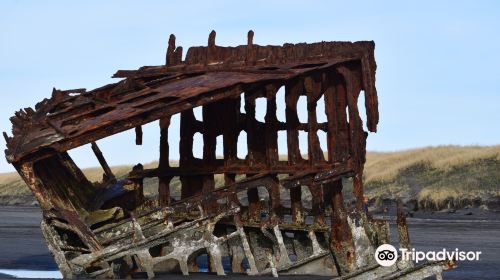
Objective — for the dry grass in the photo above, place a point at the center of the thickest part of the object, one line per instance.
(382, 166)
(435, 176)
(11, 184)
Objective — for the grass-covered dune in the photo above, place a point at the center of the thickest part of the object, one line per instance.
(433, 178)
(436, 177)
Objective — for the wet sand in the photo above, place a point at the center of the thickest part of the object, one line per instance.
(466, 235)
(23, 247)
(21, 242)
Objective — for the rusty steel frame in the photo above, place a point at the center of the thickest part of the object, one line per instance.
(106, 229)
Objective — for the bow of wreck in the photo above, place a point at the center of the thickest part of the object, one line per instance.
(257, 221)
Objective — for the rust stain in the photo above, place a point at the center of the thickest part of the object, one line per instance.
(109, 229)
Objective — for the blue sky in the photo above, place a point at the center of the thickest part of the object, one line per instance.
(438, 61)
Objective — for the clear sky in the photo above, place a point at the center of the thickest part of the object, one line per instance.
(438, 61)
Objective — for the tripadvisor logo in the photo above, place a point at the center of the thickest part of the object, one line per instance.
(387, 255)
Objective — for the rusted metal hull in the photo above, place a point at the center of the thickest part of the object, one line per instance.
(109, 229)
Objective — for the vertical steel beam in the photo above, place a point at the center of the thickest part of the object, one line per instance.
(341, 243)
(107, 171)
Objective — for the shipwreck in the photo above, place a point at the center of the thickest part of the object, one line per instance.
(110, 229)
